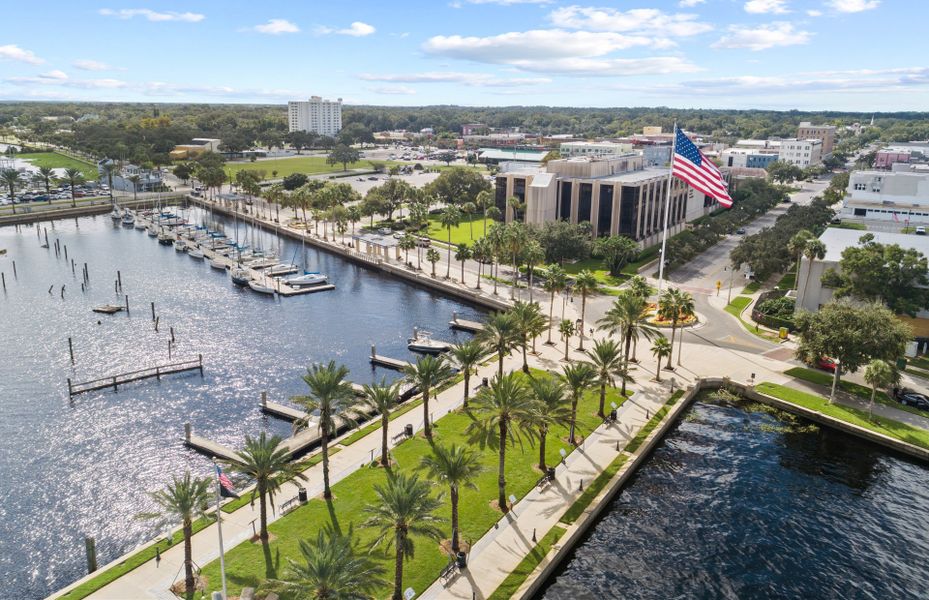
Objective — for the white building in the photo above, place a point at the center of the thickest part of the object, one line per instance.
(901, 195)
(315, 116)
(802, 153)
(594, 149)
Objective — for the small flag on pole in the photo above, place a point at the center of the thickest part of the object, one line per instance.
(226, 489)
(690, 165)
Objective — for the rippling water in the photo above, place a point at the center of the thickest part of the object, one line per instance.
(737, 504)
(70, 469)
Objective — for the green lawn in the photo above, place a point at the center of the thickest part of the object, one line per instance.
(751, 288)
(469, 230)
(888, 427)
(825, 379)
(246, 566)
(519, 575)
(788, 281)
(737, 305)
(844, 225)
(309, 165)
(735, 309)
(60, 161)
(595, 266)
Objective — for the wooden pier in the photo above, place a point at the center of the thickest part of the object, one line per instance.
(282, 411)
(114, 381)
(208, 447)
(386, 361)
(464, 325)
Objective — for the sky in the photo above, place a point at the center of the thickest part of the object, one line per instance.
(855, 55)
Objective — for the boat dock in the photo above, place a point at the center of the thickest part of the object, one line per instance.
(281, 411)
(114, 381)
(464, 325)
(208, 447)
(386, 361)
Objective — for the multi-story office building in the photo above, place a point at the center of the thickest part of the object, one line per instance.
(595, 149)
(901, 195)
(823, 133)
(616, 194)
(748, 157)
(315, 116)
(802, 153)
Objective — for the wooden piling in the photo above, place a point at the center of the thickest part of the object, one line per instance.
(200, 359)
(71, 350)
(172, 335)
(90, 548)
(156, 323)
(119, 279)
(72, 270)
(15, 276)
(3, 278)
(127, 305)
(66, 253)
(153, 311)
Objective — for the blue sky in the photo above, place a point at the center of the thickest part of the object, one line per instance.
(808, 54)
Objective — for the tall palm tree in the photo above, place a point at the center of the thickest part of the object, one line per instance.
(383, 397)
(134, 180)
(467, 356)
(184, 499)
(332, 568)
(449, 218)
(556, 280)
(433, 256)
(469, 208)
(877, 374)
(578, 378)
(480, 251)
(627, 317)
(503, 412)
(660, 349)
(500, 334)
(671, 303)
(426, 373)
(330, 394)
(606, 357)
(45, 175)
(687, 311)
(566, 329)
(109, 168)
(813, 251)
(495, 245)
(267, 462)
(515, 238)
(462, 253)
(74, 177)
(530, 323)
(551, 409)
(10, 179)
(404, 508)
(484, 200)
(584, 283)
(795, 246)
(456, 467)
(407, 243)
(533, 254)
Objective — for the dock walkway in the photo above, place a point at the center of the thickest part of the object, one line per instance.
(114, 381)
(465, 325)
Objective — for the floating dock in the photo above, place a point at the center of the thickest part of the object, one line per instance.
(108, 309)
(386, 361)
(465, 325)
(114, 381)
(282, 411)
(208, 447)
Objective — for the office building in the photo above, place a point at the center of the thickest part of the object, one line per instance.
(802, 153)
(823, 133)
(901, 195)
(316, 115)
(595, 149)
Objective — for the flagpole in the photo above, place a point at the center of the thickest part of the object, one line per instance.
(219, 530)
(667, 211)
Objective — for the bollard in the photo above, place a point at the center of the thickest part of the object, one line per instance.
(533, 534)
(90, 548)
(71, 350)
(169, 349)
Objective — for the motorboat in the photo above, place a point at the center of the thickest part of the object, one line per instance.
(422, 342)
(195, 253)
(280, 269)
(116, 215)
(127, 218)
(260, 288)
(261, 263)
(139, 224)
(306, 280)
(152, 231)
(217, 264)
(180, 246)
(240, 276)
(165, 239)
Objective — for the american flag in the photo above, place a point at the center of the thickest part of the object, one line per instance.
(689, 164)
(226, 489)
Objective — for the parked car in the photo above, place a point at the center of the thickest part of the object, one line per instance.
(908, 397)
(826, 364)
(385, 231)
(920, 230)
(423, 242)
(740, 231)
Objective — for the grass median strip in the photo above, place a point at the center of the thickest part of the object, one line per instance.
(737, 307)
(519, 575)
(856, 389)
(854, 416)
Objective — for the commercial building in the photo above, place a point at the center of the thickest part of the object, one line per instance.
(616, 194)
(315, 116)
(812, 294)
(901, 195)
(752, 158)
(149, 180)
(823, 133)
(595, 149)
(495, 156)
(802, 153)
(885, 159)
(474, 129)
(195, 148)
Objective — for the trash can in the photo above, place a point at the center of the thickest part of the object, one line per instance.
(301, 495)
(550, 472)
(613, 415)
(408, 430)
(462, 560)
(484, 382)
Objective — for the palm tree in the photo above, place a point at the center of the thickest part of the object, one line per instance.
(426, 373)
(45, 176)
(514, 240)
(267, 462)
(462, 253)
(433, 256)
(404, 508)
(503, 411)
(469, 208)
(660, 349)
(74, 177)
(814, 250)
(484, 200)
(332, 568)
(134, 180)
(407, 243)
(467, 356)
(330, 394)
(795, 246)
(687, 311)
(877, 374)
(533, 254)
(551, 409)
(184, 499)
(480, 251)
(109, 168)
(456, 467)
(383, 397)
(10, 178)
(556, 280)
(606, 357)
(500, 334)
(639, 286)
(584, 283)
(449, 218)
(626, 316)
(578, 378)
(566, 329)
(672, 306)
(530, 323)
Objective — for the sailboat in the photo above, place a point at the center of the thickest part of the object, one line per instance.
(306, 280)
(261, 288)
(240, 276)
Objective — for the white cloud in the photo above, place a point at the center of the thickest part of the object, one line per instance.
(853, 6)
(394, 90)
(471, 79)
(690, 3)
(777, 7)
(612, 67)
(277, 27)
(356, 29)
(14, 52)
(637, 20)
(55, 75)
(762, 37)
(59, 78)
(151, 15)
(509, 2)
(91, 65)
(814, 13)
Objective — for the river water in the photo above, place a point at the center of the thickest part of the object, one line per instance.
(83, 467)
(740, 503)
